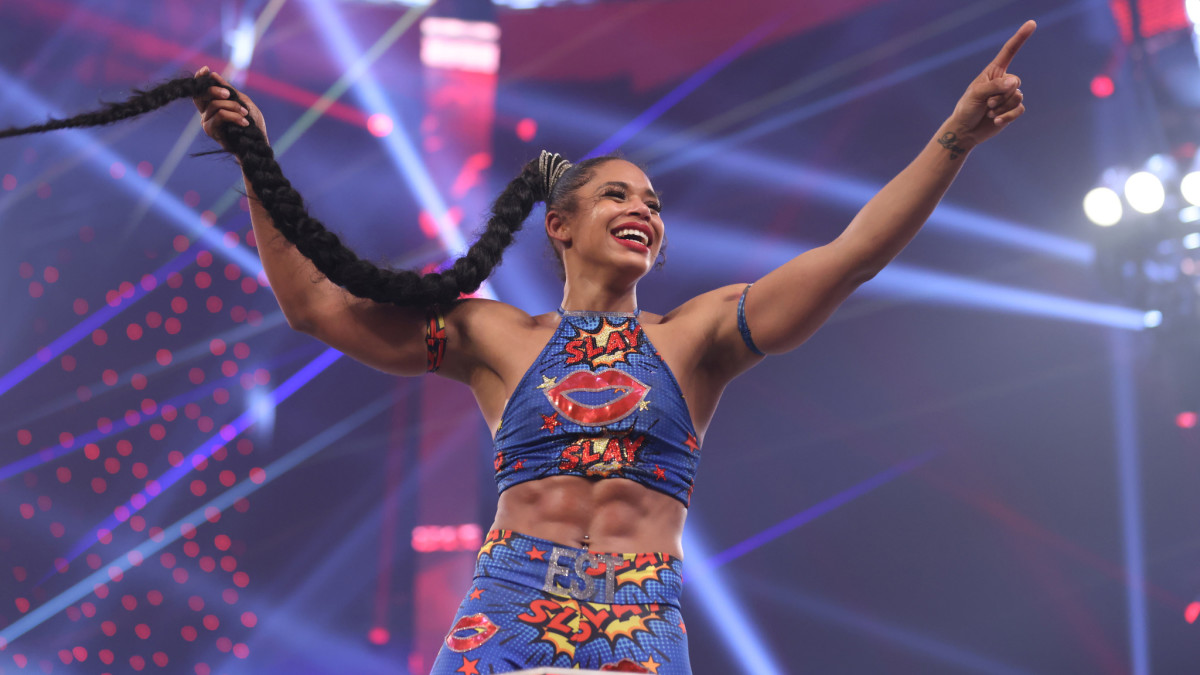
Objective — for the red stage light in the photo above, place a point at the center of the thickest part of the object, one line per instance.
(1186, 420)
(1102, 86)
(1192, 612)
(527, 129)
(379, 125)
(378, 636)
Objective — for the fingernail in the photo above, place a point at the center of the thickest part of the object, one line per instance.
(245, 122)
(203, 71)
(245, 112)
(224, 93)
(1010, 80)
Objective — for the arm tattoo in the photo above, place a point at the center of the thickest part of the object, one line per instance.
(949, 141)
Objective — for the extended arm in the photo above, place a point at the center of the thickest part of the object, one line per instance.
(786, 306)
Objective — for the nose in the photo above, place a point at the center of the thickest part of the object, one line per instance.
(640, 208)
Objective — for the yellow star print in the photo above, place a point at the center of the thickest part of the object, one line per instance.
(643, 404)
(548, 382)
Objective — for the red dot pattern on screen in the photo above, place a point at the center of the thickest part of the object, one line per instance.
(133, 376)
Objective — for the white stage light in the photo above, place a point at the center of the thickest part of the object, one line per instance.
(1145, 193)
(1103, 207)
(1153, 318)
(1192, 241)
(1190, 187)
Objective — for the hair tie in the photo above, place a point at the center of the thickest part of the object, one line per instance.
(552, 166)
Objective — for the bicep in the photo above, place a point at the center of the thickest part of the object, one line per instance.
(782, 309)
(393, 339)
(790, 303)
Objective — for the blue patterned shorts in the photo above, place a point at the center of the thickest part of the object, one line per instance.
(534, 603)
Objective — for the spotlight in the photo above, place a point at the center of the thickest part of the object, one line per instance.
(241, 43)
(1190, 187)
(1153, 319)
(1144, 192)
(1103, 207)
(1192, 241)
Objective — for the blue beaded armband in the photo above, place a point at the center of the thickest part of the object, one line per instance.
(745, 327)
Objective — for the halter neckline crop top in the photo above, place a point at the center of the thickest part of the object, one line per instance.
(598, 402)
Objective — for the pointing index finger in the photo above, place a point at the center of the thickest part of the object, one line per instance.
(1014, 44)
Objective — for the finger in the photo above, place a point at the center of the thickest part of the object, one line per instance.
(1008, 117)
(1014, 44)
(220, 120)
(215, 107)
(1006, 103)
(993, 91)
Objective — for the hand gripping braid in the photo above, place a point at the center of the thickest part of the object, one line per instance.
(290, 216)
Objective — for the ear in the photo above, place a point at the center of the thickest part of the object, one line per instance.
(558, 228)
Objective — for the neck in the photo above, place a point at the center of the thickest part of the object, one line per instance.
(581, 295)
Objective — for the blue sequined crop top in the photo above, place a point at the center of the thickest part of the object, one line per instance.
(599, 402)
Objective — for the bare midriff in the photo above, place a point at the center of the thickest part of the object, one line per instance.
(613, 515)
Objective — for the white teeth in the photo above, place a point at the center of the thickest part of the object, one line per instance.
(641, 236)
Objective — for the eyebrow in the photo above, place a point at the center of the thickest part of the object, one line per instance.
(625, 186)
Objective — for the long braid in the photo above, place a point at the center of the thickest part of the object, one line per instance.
(289, 215)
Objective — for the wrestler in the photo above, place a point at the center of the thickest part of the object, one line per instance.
(598, 410)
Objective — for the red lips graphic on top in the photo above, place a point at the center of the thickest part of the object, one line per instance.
(631, 391)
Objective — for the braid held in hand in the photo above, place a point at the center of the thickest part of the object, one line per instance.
(290, 216)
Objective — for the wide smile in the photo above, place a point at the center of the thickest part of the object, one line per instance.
(631, 394)
(634, 236)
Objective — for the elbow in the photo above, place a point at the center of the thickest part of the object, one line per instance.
(302, 322)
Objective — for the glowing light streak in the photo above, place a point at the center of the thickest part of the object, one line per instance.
(1125, 407)
(179, 357)
(82, 329)
(810, 82)
(399, 146)
(912, 641)
(173, 532)
(695, 152)
(817, 510)
(680, 92)
(720, 247)
(225, 434)
(852, 193)
(740, 636)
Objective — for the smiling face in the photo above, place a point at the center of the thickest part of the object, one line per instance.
(613, 225)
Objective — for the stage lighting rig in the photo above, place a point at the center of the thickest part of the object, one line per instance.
(1148, 236)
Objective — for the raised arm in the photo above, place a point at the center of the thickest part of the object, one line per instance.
(383, 336)
(785, 307)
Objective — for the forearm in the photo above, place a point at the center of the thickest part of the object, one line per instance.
(890, 220)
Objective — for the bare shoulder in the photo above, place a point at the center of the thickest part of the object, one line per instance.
(706, 312)
(714, 340)
(479, 317)
(493, 337)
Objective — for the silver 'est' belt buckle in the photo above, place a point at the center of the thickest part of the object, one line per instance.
(583, 586)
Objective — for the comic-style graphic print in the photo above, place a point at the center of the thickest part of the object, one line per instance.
(601, 457)
(598, 402)
(605, 346)
(520, 614)
(625, 390)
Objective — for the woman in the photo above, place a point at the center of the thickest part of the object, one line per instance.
(596, 438)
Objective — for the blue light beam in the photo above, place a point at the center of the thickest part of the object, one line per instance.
(740, 636)
(1129, 479)
(173, 532)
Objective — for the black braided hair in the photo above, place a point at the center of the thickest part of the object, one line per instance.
(332, 258)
